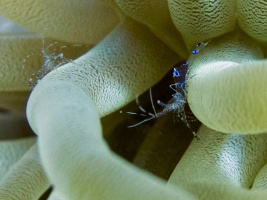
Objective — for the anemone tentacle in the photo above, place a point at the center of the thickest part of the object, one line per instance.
(229, 75)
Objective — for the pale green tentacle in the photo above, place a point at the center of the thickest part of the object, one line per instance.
(86, 22)
(74, 154)
(252, 18)
(222, 158)
(227, 91)
(26, 179)
(155, 14)
(202, 20)
(261, 179)
(12, 151)
(125, 64)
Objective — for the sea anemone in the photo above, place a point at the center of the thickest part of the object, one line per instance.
(125, 48)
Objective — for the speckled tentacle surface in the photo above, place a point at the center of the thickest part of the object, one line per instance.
(202, 20)
(222, 158)
(109, 72)
(209, 190)
(222, 161)
(227, 79)
(260, 181)
(252, 18)
(26, 179)
(56, 18)
(155, 14)
(12, 151)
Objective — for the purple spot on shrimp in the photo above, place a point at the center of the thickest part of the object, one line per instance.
(185, 63)
(195, 51)
(180, 80)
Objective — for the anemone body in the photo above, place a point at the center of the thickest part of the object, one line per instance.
(135, 47)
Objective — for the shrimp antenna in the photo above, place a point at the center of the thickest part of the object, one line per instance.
(152, 104)
(150, 115)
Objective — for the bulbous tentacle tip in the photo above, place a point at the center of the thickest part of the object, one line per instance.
(202, 20)
(228, 90)
(232, 99)
(155, 14)
(252, 18)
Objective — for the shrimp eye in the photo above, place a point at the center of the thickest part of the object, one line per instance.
(175, 73)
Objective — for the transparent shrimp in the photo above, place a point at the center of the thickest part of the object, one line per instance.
(178, 100)
(52, 60)
(176, 104)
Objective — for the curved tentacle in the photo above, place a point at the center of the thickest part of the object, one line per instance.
(69, 21)
(209, 190)
(222, 166)
(261, 179)
(12, 151)
(228, 77)
(90, 170)
(252, 18)
(125, 64)
(222, 158)
(26, 179)
(155, 14)
(202, 20)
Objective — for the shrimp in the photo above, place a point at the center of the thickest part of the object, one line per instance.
(178, 102)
